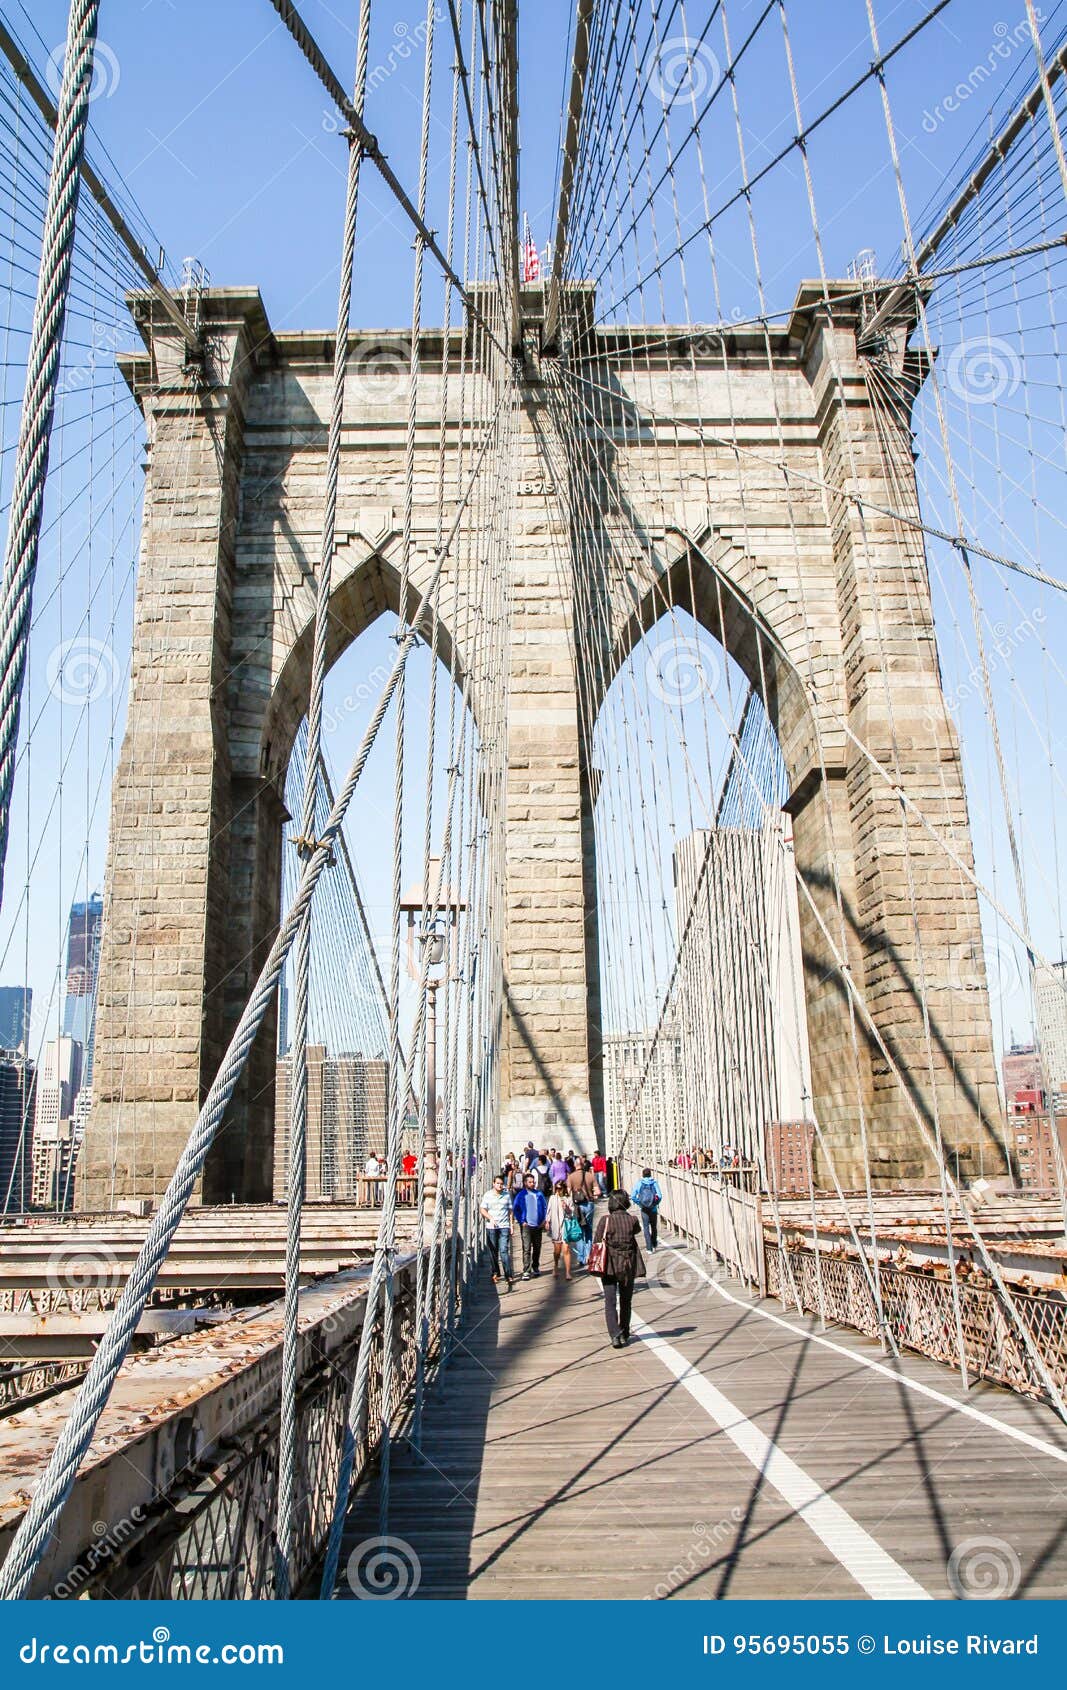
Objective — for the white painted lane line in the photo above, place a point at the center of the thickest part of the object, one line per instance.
(972, 1413)
(873, 1569)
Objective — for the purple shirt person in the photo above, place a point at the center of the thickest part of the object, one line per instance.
(559, 1170)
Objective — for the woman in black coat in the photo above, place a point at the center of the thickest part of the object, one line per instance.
(619, 1231)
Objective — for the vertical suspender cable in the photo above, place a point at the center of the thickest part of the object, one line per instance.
(297, 1169)
(38, 404)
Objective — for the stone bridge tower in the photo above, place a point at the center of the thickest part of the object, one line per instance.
(826, 601)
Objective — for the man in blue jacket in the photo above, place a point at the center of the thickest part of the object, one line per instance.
(530, 1209)
(648, 1197)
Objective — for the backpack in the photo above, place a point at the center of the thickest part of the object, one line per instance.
(572, 1229)
(544, 1183)
(646, 1195)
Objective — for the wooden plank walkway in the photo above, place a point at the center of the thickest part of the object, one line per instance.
(557, 1467)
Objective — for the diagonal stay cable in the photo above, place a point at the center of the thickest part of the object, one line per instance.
(315, 57)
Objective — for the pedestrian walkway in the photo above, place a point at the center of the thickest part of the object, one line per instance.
(731, 1451)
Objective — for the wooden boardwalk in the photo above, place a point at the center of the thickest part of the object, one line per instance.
(726, 1453)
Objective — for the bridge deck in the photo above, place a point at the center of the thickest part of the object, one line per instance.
(776, 1466)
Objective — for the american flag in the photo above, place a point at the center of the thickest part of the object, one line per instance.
(531, 258)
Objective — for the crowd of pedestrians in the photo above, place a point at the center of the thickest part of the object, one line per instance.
(548, 1193)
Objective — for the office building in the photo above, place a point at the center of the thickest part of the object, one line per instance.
(56, 1123)
(347, 1103)
(740, 1003)
(1050, 1011)
(17, 1083)
(643, 1094)
(83, 967)
(15, 1006)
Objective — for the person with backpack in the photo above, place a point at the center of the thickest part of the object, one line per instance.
(530, 1208)
(583, 1192)
(622, 1264)
(648, 1197)
(563, 1227)
(542, 1173)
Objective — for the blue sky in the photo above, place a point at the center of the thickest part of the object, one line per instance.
(223, 139)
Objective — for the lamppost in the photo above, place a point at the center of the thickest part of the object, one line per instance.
(433, 914)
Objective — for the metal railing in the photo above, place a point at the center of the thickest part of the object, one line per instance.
(917, 1301)
(208, 1531)
(919, 1314)
(716, 1213)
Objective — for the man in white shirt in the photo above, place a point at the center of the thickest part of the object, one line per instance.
(373, 1167)
(495, 1210)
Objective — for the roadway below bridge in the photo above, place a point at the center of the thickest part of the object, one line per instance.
(730, 1451)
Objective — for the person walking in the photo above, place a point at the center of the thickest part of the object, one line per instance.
(558, 1168)
(648, 1197)
(563, 1228)
(583, 1193)
(530, 1208)
(599, 1166)
(623, 1264)
(495, 1210)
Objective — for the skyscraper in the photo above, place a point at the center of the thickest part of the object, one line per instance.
(346, 1114)
(740, 1005)
(83, 967)
(16, 1132)
(55, 1138)
(1050, 1008)
(15, 1005)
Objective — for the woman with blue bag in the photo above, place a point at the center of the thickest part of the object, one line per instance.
(563, 1227)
